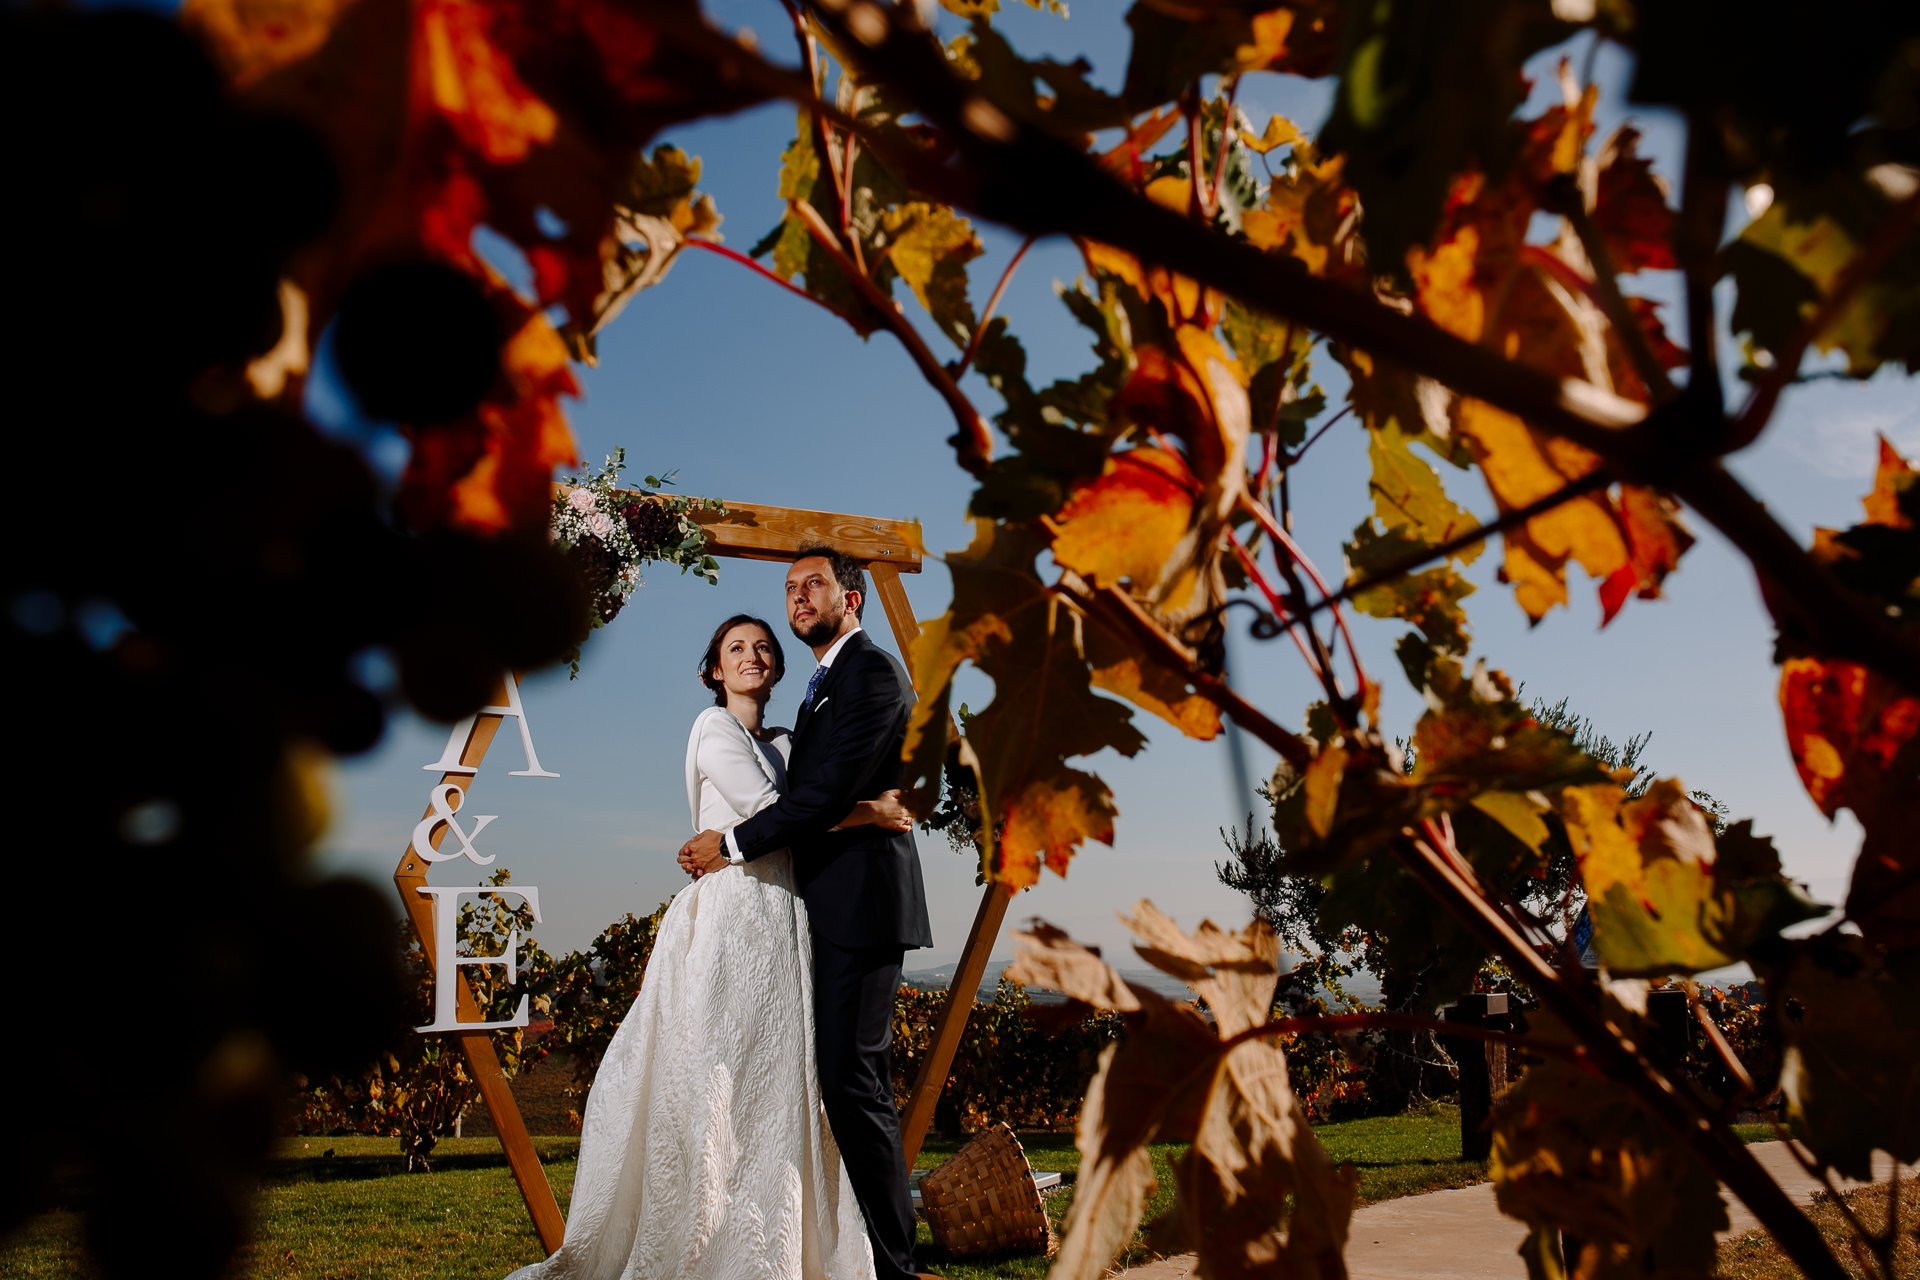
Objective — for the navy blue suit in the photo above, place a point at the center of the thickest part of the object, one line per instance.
(867, 906)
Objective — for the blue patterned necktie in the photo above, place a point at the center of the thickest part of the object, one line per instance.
(813, 685)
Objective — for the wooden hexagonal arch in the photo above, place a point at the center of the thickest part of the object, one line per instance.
(745, 531)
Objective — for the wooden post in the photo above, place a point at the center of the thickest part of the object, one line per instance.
(1483, 1070)
(952, 1021)
(478, 1045)
(893, 599)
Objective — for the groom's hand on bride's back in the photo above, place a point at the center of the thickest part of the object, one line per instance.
(704, 853)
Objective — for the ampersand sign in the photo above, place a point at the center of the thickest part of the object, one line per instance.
(442, 812)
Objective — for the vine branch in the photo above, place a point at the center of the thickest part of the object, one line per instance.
(972, 444)
(973, 343)
(1604, 288)
(734, 255)
(1043, 185)
(1336, 1023)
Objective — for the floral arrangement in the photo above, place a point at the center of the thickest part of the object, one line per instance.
(608, 533)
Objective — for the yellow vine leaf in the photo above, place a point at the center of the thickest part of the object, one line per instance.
(1125, 526)
(1150, 687)
(1323, 787)
(1663, 899)
(1521, 470)
(930, 246)
(1445, 279)
(1279, 132)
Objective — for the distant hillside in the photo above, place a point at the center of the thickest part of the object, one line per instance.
(940, 978)
(1362, 986)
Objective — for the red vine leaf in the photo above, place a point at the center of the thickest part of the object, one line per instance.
(1044, 710)
(443, 117)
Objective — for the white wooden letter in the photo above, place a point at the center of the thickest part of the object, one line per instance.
(447, 958)
(449, 761)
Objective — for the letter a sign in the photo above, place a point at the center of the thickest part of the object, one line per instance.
(449, 761)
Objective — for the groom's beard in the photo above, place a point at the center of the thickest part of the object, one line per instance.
(824, 628)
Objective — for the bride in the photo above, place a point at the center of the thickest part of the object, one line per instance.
(704, 1151)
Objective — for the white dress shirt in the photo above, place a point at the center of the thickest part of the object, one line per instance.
(826, 660)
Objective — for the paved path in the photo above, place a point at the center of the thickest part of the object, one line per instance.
(1460, 1235)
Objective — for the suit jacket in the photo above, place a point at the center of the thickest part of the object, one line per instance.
(862, 886)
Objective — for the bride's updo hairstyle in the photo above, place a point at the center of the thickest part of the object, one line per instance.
(710, 663)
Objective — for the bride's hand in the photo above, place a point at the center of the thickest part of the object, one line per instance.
(886, 813)
(889, 813)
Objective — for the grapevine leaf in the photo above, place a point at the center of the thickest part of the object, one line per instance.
(1172, 1080)
(1125, 527)
(1384, 394)
(1322, 787)
(1655, 542)
(1407, 494)
(1427, 90)
(1476, 736)
(976, 9)
(1049, 959)
(1073, 107)
(1311, 215)
(1794, 254)
(485, 473)
(1484, 281)
(1853, 733)
(1852, 1058)
(1274, 355)
(1662, 901)
(795, 252)
(1173, 49)
(1521, 468)
(1855, 738)
(1894, 490)
(930, 246)
(1575, 1151)
(1279, 132)
(1430, 600)
(1192, 389)
(1845, 727)
(1520, 813)
(1880, 557)
(1044, 709)
(1120, 670)
(1630, 207)
(655, 214)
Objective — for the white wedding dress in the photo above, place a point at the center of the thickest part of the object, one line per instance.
(704, 1153)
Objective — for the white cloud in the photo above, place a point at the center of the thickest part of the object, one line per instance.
(1845, 445)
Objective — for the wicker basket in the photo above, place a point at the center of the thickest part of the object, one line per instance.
(984, 1201)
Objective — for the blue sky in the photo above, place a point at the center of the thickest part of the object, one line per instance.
(755, 395)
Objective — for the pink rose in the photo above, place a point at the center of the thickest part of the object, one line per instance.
(581, 500)
(599, 524)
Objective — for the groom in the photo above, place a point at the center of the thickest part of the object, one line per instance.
(861, 886)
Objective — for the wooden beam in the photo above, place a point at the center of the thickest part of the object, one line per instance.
(952, 1022)
(750, 531)
(494, 1086)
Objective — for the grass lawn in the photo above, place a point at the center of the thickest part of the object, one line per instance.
(354, 1215)
(1756, 1257)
